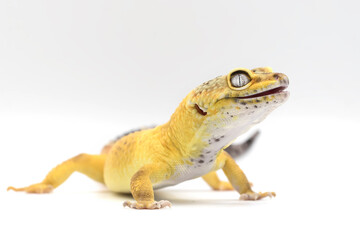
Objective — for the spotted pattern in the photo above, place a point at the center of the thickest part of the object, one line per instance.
(191, 141)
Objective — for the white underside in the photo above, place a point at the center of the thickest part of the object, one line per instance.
(222, 135)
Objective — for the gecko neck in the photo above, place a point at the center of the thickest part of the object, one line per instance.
(180, 131)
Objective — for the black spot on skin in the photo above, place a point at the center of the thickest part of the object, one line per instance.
(201, 161)
(276, 76)
(222, 136)
(192, 160)
(255, 106)
(217, 139)
(231, 116)
(201, 155)
(257, 100)
(243, 103)
(247, 108)
(267, 102)
(227, 112)
(211, 160)
(208, 152)
(255, 91)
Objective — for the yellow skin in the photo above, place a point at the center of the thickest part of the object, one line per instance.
(190, 145)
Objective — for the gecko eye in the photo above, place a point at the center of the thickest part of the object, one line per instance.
(239, 79)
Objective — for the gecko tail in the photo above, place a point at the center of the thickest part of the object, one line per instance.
(236, 150)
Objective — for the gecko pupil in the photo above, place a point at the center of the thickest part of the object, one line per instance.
(239, 79)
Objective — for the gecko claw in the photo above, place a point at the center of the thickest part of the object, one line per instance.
(256, 196)
(147, 205)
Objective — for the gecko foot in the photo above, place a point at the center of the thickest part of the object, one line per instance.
(35, 188)
(256, 196)
(147, 205)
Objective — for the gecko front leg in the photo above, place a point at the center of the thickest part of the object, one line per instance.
(239, 181)
(141, 186)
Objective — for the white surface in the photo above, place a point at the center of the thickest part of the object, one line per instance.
(74, 74)
(312, 165)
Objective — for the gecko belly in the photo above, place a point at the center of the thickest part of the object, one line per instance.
(187, 172)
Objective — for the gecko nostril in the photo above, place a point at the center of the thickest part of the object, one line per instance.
(281, 77)
(276, 76)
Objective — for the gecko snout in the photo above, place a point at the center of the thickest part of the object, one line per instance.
(282, 78)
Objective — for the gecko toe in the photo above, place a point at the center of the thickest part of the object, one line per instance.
(147, 205)
(256, 196)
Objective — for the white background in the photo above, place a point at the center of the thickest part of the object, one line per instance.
(74, 74)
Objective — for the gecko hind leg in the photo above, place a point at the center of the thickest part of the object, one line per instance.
(215, 183)
(90, 165)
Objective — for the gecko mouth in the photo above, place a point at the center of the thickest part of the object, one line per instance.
(265, 93)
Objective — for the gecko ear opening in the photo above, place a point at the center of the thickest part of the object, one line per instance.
(199, 110)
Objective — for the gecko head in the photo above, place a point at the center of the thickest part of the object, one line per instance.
(242, 96)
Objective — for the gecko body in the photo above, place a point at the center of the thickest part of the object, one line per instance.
(190, 145)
